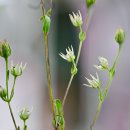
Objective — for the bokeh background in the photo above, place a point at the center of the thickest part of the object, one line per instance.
(20, 24)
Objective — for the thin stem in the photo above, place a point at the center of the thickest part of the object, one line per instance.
(12, 91)
(11, 112)
(25, 127)
(42, 4)
(96, 115)
(67, 90)
(79, 52)
(7, 77)
(117, 55)
(48, 72)
(10, 109)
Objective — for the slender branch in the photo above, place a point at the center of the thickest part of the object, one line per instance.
(79, 52)
(67, 90)
(43, 10)
(24, 123)
(11, 112)
(7, 76)
(48, 72)
(105, 91)
(78, 55)
(117, 55)
(96, 115)
(12, 91)
(72, 76)
(10, 109)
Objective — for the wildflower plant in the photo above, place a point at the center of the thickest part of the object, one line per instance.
(104, 66)
(58, 120)
(15, 71)
(57, 105)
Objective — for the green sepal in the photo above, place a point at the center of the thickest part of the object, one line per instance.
(46, 24)
(100, 96)
(82, 36)
(112, 72)
(58, 121)
(74, 69)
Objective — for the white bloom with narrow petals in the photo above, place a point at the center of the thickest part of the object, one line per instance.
(18, 69)
(69, 56)
(103, 64)
(76, 19)
(94, 82)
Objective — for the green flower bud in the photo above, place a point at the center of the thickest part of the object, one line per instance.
(5, 50)
(120, 36)
(3, 92)
(90, 3)
(46, 24)
(82, 36)
(74, 69)
(24, 114)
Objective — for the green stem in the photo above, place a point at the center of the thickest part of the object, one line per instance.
(11, 112)
(10, 109)
(25, 127)
(79, 52)
(67, 90)
(12, 91)
(117, 55)
(96, 115)
(48, 72)
(7, 77)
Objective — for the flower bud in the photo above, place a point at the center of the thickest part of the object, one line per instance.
(46, 24)
(82, 36)
(3, 92)
(74, 70)
(90, 3)
(24, 114)
(5, 50)
(120, 36)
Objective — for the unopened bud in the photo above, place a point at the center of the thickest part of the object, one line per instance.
(5, 50)
(3, 92)
(120, 36)
(46, 24)
(90, 3)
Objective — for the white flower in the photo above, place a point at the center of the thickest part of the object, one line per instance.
(17, 70)
(69, 55)
(25, 113)
(76, 19)
(94, 82)
(103, 64)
